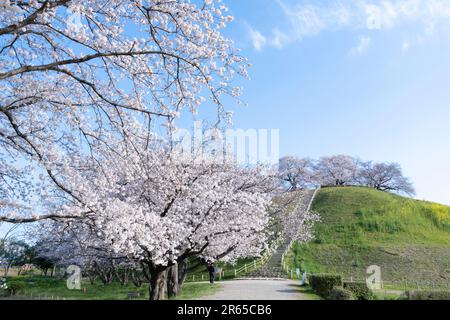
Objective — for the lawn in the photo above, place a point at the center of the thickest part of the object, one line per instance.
(356, 215)
(41, 287)
(309, 293)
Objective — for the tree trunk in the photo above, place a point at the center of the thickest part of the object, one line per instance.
(157, 284)
(173, 287)
(92, 278)
(136, 278)
(7, 269)
(109, 275)
(182, 273)
(92, 275)
(118, 275)
(126, 278)
(145, 271)
(122, 275)
(102, 275)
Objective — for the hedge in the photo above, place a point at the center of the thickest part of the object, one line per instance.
(428, 295)
(360, 290)
(15, 287)
(339, 293)
(322, 284)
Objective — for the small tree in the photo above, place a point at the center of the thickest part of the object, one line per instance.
(43, 263)
(337, 170)
(13, 252)
(385, 177)
(296, 172)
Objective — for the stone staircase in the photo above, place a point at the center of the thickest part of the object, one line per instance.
(273, 269)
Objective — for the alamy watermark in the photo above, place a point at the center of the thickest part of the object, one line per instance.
(74, 279)
(244, 146)
(374, 281)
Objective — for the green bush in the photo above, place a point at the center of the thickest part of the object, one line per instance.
(4, 293)
(318, 239)
(322, 284)
(15, 287)
(3, 287)
(339, 293)
(359, 290)
(428, 295)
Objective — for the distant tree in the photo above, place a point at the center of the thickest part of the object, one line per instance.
(13, 253)
(43, 263)
(340, 170)
(385, 177)
(337, 170)
(295, 172)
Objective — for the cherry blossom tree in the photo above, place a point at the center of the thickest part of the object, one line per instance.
(340, 170)
(385, 177)
(65, 243)
(160, 207)
(296, 172)
(77, 73)
(337, 170)
(294, 216)
(13, 252)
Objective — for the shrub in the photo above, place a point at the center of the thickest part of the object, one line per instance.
(359, 290)
(318, 239)
(3, 287)
(428, 295)
(324, 283)
(15, 287)
(339, 293)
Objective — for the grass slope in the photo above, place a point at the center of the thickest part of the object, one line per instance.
(408, 239)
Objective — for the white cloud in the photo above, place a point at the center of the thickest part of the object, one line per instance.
(258, 40)
(308, 19)
(279, 39)
(382, 16)
(362, 47)
(405, 46)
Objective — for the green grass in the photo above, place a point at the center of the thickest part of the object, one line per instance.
(197, 290)
(408, 239)
(309, 293)
(53, 288)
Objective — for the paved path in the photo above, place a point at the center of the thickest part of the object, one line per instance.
(258, 290)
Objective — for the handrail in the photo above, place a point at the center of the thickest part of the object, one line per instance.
(260, 262)
(313, 197)
(289, 247)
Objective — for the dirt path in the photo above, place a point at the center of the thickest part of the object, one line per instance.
(258, 290)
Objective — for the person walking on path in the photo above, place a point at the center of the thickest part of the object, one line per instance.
(212, 271)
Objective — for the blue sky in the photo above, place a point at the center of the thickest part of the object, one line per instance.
(365, 78)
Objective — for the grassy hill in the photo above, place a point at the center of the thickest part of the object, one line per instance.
(408, 239)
